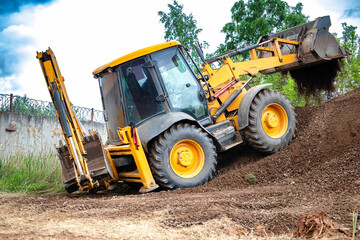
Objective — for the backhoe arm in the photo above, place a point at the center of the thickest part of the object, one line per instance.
(65, 114)
(86, 163)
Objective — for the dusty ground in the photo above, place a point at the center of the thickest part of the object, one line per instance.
(318, 172)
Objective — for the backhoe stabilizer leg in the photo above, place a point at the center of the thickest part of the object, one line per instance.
(130, 136)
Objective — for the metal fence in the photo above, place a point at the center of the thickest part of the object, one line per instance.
(25, 105)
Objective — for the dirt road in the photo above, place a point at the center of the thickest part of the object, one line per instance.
(318, 172)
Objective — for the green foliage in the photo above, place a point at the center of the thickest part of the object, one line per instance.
(284, 84)
(257, 18)
(290, 90)
(31, 173)
(24, 105)
(181, 27)
(349, 77)
(250, 178)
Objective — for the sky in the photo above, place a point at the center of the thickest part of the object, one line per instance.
(85, 34)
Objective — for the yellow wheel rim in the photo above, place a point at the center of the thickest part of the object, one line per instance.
(274, 120)
(187, 158)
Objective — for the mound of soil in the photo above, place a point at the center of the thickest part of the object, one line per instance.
(325, 152)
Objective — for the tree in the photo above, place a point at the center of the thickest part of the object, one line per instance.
(258, 18)
(181, 27)
(349, 77)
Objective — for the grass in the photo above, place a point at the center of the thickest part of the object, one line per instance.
(354, 221)
(31, 173)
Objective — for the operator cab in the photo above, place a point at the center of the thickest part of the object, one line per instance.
(148, 83)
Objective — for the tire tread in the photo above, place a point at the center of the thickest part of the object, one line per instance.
(254, 136)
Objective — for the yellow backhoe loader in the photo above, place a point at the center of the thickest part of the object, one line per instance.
(165, 124)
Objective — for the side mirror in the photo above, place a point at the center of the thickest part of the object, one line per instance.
(199, 51)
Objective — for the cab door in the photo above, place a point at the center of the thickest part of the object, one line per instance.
(183, 90)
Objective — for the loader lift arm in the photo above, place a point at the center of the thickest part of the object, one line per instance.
(301, 46)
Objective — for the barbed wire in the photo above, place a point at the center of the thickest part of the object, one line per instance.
(25, 105)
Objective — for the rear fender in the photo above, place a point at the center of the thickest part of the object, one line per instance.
(244, 108)
(159, 124)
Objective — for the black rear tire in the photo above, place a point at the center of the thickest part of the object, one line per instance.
(183, 157)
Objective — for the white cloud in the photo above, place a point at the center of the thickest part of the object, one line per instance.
(9, 84)
(86, 34)
(333, 8)
(82, 38)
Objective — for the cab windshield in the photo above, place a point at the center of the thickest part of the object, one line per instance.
(182, 87)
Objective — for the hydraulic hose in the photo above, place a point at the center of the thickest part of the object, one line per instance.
(60, 108)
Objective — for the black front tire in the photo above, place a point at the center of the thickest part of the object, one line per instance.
(183, 157)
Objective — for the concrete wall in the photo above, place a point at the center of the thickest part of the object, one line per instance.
(34, 134)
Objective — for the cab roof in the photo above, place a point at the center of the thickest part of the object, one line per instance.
(136, 54)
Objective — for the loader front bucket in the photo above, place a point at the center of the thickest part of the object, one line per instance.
(316, 44)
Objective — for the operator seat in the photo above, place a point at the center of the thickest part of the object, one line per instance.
(134, 86)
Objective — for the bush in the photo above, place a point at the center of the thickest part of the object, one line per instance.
(250, 178)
